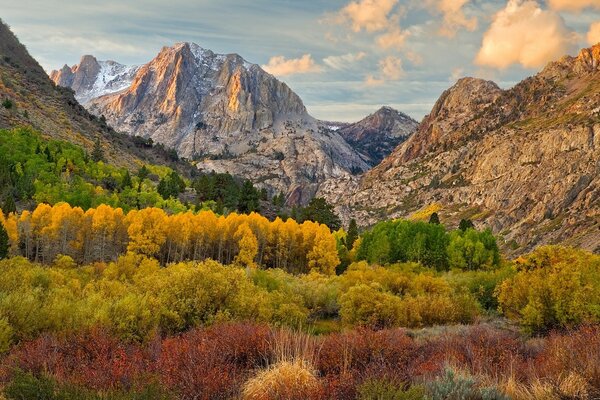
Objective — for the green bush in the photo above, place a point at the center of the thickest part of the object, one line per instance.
(455, 385)
(383, 389)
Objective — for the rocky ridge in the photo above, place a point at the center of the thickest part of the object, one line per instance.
(522, 161)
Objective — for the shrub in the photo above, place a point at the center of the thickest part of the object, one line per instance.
(383, 389)
(454, 385)
(7, 103)
(285, 380)
(25, 385)
(555, 288)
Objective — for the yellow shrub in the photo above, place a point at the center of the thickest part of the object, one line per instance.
(290, 380)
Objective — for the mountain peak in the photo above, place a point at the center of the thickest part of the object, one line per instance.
(379, 133)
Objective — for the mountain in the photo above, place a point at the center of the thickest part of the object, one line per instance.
(30, 98)
(227, 115)
(522, 161)
(92, 78)
(378, 134)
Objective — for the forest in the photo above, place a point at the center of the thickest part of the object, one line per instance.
(113, 288)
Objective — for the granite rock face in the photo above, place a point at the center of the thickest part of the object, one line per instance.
(524, 162)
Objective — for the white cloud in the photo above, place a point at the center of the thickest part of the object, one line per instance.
(573, 5)
(454, 17)
(524, 33)
(370, 15)
(345, 61)
(281, 66)
(391, 68)
(593, 35)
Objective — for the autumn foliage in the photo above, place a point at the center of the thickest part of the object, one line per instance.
(233, 360)
(104, 233)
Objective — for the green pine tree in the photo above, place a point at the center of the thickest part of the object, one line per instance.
(4, 243)
(352, 234)
(97, 152)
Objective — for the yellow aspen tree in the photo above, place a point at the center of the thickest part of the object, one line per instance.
(12, 228)
(40, 220)
(260, 228)
(146, 230)
(26, 234)
(323, 256)
(106, 225)
(247, 246)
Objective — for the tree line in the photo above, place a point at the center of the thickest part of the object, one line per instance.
(105, 232)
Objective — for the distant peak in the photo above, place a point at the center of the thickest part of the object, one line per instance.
(87, 58)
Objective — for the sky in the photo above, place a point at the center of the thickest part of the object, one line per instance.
(344, 58)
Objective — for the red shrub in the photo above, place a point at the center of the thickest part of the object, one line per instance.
(213, 363)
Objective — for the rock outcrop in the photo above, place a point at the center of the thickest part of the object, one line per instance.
(523, 161)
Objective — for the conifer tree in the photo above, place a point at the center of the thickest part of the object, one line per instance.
(97, 152)
(352, 234)
(4, 242)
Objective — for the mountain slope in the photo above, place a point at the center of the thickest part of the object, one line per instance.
(226, 114)
(522, 161)
(378, 134)
(30, 98)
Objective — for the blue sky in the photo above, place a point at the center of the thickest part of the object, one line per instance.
(344, 58)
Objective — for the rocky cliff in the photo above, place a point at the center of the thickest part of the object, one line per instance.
(224, 113)
(522, 161)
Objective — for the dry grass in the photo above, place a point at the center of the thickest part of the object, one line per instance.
(574, 386)
(289, 346)
(290, 380)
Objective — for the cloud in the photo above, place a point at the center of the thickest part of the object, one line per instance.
(593, 36)
(573, 5)
(370, 80)
(281, 66)
(457, 73)
(393, 38)
(370, 15)
(523, 33)
(454, 17)
(414, 57)
(391, 68)
(345, 61)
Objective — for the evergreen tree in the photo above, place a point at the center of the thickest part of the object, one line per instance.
(318, 210)
(434, 219)
(126, 181)
(97, 152)
(465, 224)
(352, 234)
(9, 205)
(170, 186)
(4, 243)
(48, 154)
(249, 198)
